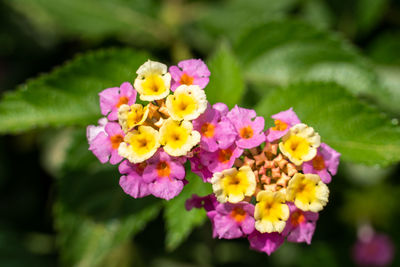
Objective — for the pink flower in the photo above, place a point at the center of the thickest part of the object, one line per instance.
(92, 131)
(248, 127)
(222, 108)
(300, 226)
(208, 202)
(221, 159)
(105, 145)
(373, 250)
(267, 243)
(191, 71)
(232, 220)
(283, 121)
(133, 183)
(164, 174)
(215, 133)
(325, 163)
(197, 166)
(112, 98)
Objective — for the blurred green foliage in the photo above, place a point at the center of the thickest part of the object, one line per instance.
(336, 62)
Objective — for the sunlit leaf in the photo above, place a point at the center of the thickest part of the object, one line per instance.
(132, 21)
(69, 94)
(282, 52)
(226, 81)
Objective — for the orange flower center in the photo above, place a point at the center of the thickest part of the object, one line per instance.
(116, 140)
(238, 214)
(297, 218)
(318, 163)
(246, 132)
(122, 100)
(279, 125)
(207, 130)
(186, 79)
(163, 169)
(224, 155)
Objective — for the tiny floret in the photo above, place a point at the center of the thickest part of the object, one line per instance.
(187, 102)
(271, 212)
(153, 81)
(233, 185)
(139, 145)
(308, 192)
(300, 143)
(178, 138)
(131, 116)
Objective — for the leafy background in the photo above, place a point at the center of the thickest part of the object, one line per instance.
(336, 62)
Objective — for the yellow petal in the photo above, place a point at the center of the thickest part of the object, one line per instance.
(139, 145)
(233, 185)
(271, 212)
(131, 116)
(153, 81)
(178, 138)
(308, 192)
(300, 143)
(187, 103)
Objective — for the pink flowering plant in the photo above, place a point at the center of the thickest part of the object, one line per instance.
(153, 141)
(268, 186)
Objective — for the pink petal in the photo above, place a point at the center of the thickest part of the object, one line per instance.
(165, 188)
(134, 186)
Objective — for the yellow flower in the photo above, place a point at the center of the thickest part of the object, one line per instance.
(308, 192)
(139, 145)
(131, 116)
(271, 212)
(232, 185)
(187, 102)
(300, 143)
(153, 81)
(178, 138)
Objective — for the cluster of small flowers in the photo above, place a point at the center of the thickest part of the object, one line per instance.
(154, 139)
(267, 186)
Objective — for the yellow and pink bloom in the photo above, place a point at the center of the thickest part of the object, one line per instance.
(301, 225)
(284, 120)
(232, 220)
(132, 182)
(112, 98)
(189, 72)
(248, 126)
(105, 143)
(325, 163)
(164, 175)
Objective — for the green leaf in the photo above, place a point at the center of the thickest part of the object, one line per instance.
(361, 133)
(179, 221)
(226, 81)
(132, 21)
(369, 12)
(69, 94)
(286, 51)
(85, 242)
(384, 49)
(227, 18)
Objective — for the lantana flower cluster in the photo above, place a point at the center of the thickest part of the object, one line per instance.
(152, 138)
(267, 186)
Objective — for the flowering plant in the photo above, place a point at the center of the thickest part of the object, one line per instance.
(267, 185)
